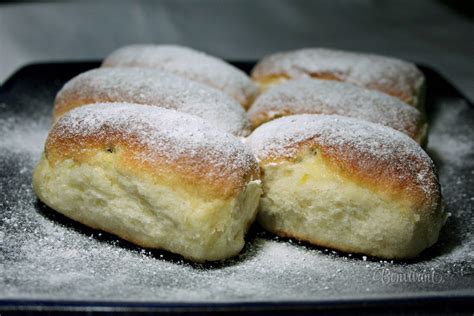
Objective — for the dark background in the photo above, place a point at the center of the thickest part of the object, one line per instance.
(436, 33)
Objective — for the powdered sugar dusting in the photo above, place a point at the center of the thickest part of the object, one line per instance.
(46, 256)
(189, 63)
(20, 136)
(155, 87)
(309, 96)
(365, 145)
(166, 135)
(367, 70)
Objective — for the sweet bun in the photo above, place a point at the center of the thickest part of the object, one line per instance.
(152, 87)
(392, 76)
(155, 177)
(347, 184)
(188, 63)
(312, 96)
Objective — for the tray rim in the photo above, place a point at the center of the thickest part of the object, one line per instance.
(400, 301)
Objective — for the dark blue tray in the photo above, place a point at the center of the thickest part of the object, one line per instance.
(49, 263)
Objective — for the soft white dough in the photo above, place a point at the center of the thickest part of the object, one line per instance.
(145, 211)
(312, 202)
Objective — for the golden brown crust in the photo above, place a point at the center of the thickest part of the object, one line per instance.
(190, 64)
(200, 155)
(389, 75)
(370, 154)
(309, 96)
(73, 99)
(152, 87)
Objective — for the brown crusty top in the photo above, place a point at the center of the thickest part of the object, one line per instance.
(370, 153)
(157, 141)
(389, 75)
(189, 63)
(312, 96)
(152, 87)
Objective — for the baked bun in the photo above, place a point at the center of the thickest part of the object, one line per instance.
(152, 87)
(309, 96)
(189, 63)
(392, 76)
(347, 184)
(155, 177)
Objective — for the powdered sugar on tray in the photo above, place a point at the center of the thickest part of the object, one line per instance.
(155, 87)
(46, 256)
(310, 96)
(23, 136)
(189, 63)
